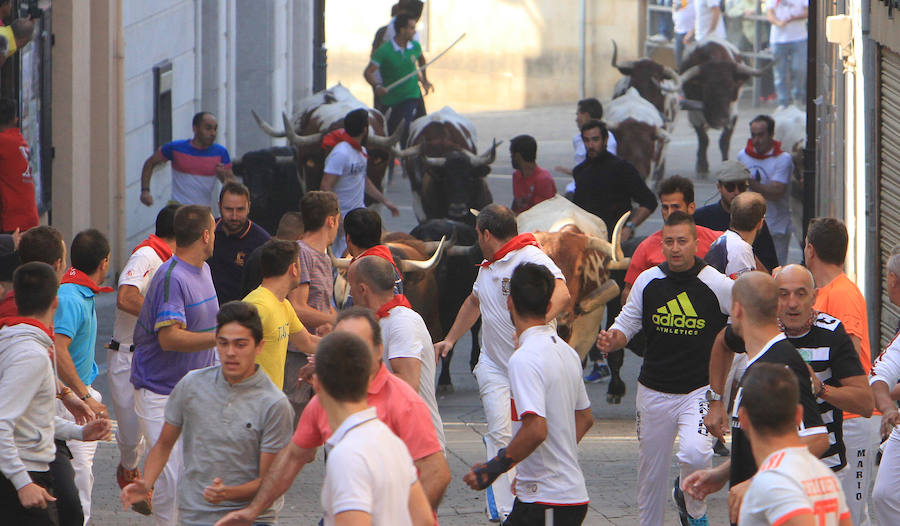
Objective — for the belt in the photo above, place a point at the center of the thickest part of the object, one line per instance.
(116, 346)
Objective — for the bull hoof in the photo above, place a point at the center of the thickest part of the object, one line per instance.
(613, 399)
(444, 389)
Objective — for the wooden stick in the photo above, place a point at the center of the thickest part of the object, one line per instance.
(406, 77)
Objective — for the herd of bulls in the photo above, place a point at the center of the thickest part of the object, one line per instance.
(447, 181)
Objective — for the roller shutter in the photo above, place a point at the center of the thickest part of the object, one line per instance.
(889, 180)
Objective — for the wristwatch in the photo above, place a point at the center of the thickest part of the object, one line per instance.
(712, 396)
(86, 396)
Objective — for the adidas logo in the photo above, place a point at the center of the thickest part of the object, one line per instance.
(678, 316)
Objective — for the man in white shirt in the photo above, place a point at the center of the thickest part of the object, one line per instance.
(708, 22)
(408, 352)
(505, 249)
(770, 175)
(345, 172)
(791, 486)
(369, 475)
(133, 282)
(732, 253)
(587, 110)
(550, 402)
(884, 376)
(683, 16)
(788, 37)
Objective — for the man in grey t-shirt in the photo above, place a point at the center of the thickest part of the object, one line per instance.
(233, 420)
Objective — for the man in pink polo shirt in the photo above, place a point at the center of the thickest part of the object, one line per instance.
(396, 404)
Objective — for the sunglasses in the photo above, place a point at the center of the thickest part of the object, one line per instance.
(732, 186)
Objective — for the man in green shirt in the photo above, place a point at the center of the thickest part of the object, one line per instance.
(395, 59)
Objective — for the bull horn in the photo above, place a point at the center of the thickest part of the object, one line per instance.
(435, 162)
(599, 297)
(619, 265)
(688, 75)
(747, 70)
(412, 151)
(432, 246)
(339, 263)
(600, 245)
(618, 256)
(266, 127)
(408, 265)
(474, 212)
(669, 73)
(485, 158)
(298, 140)
(662, 135)
(624, 68)
(377, 141)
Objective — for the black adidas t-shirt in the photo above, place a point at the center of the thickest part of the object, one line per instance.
(680, 313)
(827, 348)
(780, 350)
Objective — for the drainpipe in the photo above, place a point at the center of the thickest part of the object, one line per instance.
(119, 162)
(582, 49)
(872, 285)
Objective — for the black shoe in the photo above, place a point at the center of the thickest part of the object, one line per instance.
(720, 449)
(678, 497)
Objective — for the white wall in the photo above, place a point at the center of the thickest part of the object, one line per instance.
(155, 32)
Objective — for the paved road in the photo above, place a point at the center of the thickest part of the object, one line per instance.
(608, 453)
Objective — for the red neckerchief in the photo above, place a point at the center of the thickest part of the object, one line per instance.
(520, 241)
(399, 300)
(9, 321)
(335, 137)
(381, 251)
(751, 151)
(158, 245)
(73, 275)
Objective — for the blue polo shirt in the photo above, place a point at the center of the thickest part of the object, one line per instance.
(77, 319)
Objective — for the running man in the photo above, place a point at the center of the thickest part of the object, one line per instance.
(681, 305)
(551, 404)
(498, 235)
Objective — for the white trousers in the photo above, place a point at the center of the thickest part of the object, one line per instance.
(150, 409)
(82, 459)
(121, 391)
(885, 497)
(493, 386)
(660, 417)
(861, 442)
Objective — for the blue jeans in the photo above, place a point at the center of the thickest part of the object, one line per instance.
(679, 49)
(790, 56)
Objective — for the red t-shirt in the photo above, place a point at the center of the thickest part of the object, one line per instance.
(396, 404)
(538, 187)
(649, 252)
(18, 208)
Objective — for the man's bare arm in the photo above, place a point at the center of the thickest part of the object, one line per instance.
(584, 419)
(175, 338)
(559, 300)
(409, 370)
(309, 316)
(434, 475)
(129, 299)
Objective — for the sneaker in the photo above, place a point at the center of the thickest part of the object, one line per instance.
(702, 521)
(721, 449)
(678, 497)
(125, 477)
(598, 374)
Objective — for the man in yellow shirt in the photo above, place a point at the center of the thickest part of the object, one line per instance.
(280, 265)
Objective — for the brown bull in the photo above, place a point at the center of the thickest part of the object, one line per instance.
(416, 260)
(658, 84)
(321, 113)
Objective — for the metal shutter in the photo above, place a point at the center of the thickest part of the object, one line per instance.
(889, 181)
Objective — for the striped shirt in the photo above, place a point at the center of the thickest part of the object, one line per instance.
(194, 170)
(179, 294)
(827, 348)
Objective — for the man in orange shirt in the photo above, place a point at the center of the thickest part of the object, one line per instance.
(824, 252)
(18, 207)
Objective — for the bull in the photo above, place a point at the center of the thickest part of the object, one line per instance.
(455, 275)
(271, 176)
(711, 78)
(656, 83)
(640, 132)
(577, 242)
(416, 261)
(446, 174)
(323, 112)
